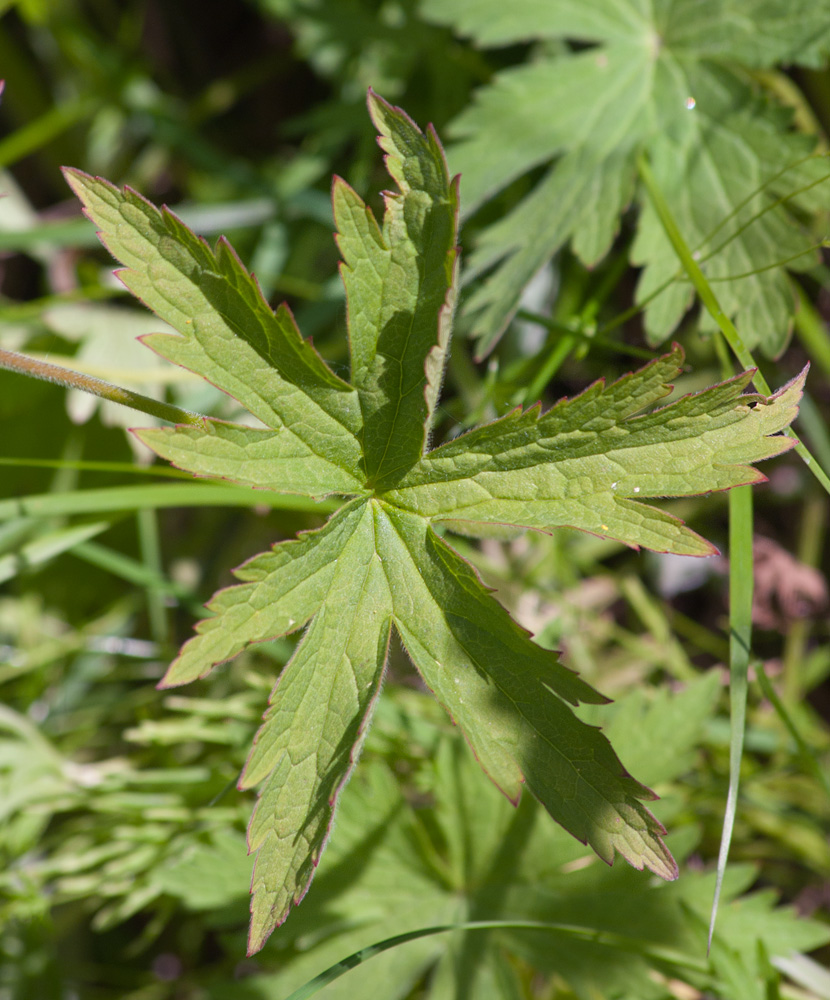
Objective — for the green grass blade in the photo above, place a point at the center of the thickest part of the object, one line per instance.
(77, 233)
(805, 752)
(46, 547)
(84, 465)
(812, 422)
(811, 330)
(134, 572)
(740, 639)
(148, 536)
(43, 130)
(161, 495)
(607, 938)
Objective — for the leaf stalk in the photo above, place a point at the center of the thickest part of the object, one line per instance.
(35, 368)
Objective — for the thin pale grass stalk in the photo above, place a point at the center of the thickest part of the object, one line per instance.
(150, 548)
(740, 644)
(740, 538)
(126, 498)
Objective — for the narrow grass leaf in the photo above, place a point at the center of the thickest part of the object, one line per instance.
(364, 954)
(48, 545)
(114, 498)
(740, 644)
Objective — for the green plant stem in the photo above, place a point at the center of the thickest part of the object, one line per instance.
(137, 573)
(580, 331)
(697, 634)
(148, 536)
(84, 465)
(815, 428)
(805, 752)
(584, 337)
(23, 365)
(551, 366)
(713, 306)
(19, 312)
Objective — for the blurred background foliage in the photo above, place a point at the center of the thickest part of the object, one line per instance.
(124, 871)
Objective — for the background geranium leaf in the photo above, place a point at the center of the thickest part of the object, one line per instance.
(378, 561)
(513, 862)
(662, 80)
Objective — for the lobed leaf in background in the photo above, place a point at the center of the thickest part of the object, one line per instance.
(673, 81)
(588, 463)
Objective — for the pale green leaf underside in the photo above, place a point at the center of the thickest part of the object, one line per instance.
(588, 462)
(630, 93)
(265, 459)
(581, 199)
(311, 735)
(757, 32)
(229, 334)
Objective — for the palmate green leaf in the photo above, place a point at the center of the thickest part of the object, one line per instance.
(283, 589)
(665, 79)
(379, 563)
